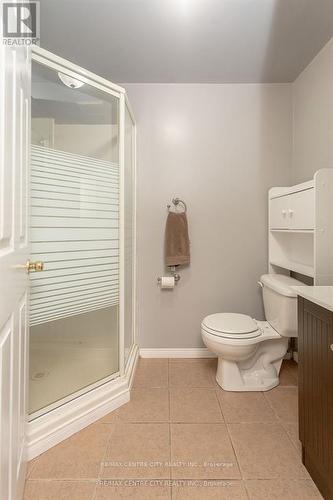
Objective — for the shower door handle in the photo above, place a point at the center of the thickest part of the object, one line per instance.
(34, 266)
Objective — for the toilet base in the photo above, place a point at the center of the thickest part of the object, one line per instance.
(256, 382)
(259, 373)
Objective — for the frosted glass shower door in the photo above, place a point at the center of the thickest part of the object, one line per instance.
(74, 219)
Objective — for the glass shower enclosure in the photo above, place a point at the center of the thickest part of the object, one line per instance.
(82, 226)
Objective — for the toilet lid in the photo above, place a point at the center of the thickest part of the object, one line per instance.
(230, 323)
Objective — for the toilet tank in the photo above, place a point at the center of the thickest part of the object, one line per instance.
(280, 303)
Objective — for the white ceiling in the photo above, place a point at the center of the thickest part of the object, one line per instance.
(181, 41)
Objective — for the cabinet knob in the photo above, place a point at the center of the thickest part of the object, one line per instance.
(284, 213)
(291, 212)
(331, 347)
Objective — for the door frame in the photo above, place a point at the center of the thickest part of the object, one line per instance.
(127, 104)
(14, 252)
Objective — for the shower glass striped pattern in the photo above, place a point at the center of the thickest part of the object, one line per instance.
(75, 231)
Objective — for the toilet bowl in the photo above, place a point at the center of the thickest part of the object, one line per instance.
(250, 352)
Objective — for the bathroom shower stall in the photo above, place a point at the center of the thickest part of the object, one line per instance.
(82, 239)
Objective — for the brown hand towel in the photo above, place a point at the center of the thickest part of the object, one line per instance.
(177, 243)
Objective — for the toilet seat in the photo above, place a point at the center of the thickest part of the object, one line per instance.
(231, 326)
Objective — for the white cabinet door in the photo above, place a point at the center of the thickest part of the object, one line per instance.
(294, 211)
(14, 252)
(279, 213)
(301, 210)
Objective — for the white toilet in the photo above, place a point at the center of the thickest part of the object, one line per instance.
(250, 352)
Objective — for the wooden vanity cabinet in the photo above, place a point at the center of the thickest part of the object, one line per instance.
(315, 358)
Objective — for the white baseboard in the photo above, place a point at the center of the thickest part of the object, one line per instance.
(195, 352)
(53, 427)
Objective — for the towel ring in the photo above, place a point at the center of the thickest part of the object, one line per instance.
(176, 202)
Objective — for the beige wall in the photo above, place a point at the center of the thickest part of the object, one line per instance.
(313, 117)
(220, 148)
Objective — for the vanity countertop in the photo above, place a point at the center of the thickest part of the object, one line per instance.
(321, 295)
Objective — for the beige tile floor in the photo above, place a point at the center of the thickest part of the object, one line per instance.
(182, 437)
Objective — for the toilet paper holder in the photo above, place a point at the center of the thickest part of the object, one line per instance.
(173, 274)
(176, 276)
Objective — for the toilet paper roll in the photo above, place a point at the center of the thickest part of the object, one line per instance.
(167, 282)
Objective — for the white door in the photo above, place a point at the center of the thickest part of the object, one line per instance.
(14, 252)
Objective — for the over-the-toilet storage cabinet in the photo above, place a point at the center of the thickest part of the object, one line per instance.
(301, 229)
